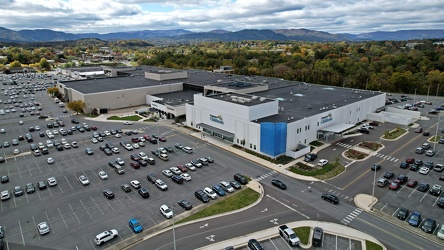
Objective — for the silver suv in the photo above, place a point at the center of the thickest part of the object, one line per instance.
(161, 185)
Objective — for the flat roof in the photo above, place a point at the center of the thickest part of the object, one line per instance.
(298, 100)
(178, 98)
(241, 99)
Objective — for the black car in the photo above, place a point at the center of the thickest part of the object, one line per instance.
(388, 175)
(429, 225)
(403, 179)
(5, 179)
(144, 193)
(235, 185)
(310, 157)
(59, 148)
(241, 179)
(202, 196)
(404, 165)
(155, 152)
(75, 121)
(177, 179)
(330, 198)
(142, 163)
(376, 167)
(108, 151)
(414, 167)
(108, 193)
(423, 187)
(426, 133)
(278, 184)
(440, 202)
(185, 204)
(403, 214)
(364, 130)
(112, 164)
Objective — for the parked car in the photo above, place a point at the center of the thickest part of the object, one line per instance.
(135, 225)
(415, 219)
(241, 179)
(429, 225)
(403, 214)
(166, 211)
(185, 204)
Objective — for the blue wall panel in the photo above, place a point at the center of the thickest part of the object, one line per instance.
(273, 138)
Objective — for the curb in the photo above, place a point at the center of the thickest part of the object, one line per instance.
(166, 225)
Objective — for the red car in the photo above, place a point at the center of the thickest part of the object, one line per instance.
(418, 130)
(395, 185)
(146, 137)
(135, 140)
(412, 183)
(135, 164)
(410, 160)
(182, 168)
(161, 138)
(94, 128)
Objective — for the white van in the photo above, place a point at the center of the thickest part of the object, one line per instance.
(188, 150)
(106, 236)
(163, 157)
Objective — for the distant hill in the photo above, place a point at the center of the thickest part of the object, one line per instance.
(184, 36)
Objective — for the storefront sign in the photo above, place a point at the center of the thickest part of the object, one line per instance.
(326, 118)
(217, 119)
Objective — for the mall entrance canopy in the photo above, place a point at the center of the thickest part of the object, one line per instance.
(225, 135)
(338, 128)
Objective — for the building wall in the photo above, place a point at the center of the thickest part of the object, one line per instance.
(166, 76)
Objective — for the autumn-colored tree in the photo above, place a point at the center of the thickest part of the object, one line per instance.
(77, 106)
(15, 64)
(52, 91)
(44, 64)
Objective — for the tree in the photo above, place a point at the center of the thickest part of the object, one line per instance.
(44, 64)
(15, 64)
(52, 91)
(77, 106)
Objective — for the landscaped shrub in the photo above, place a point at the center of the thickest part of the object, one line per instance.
(354, 154)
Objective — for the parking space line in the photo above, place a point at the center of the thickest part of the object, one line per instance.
(74, 212)
(29, 170)
(383, 206)
(26, 195)
(434, 203)
(395, 211)
(21, 232)
(96, 204)
(412, 192)
(13, 198)
(68, 183)
(94, 247)
(402, 186)
(49, 221)
(106, 200)
(49, 189)
(151, 219)
(436, 228)
(18, 170)
(121, 202)
(86, 209)
(423, 197)
(35, 226)
(273, 243)
(66, 225)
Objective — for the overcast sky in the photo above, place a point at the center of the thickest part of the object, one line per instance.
(105, 16)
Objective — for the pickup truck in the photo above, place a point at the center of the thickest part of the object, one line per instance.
(289, 235)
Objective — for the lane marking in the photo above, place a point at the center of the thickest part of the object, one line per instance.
(21, 232)
(285, 205)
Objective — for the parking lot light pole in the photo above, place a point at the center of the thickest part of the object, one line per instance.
(174, 232)
(437, 127)
(373, 191)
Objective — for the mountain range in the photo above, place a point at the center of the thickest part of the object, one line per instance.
(184, 36)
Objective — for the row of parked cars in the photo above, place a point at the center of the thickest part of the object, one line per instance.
(29, 187)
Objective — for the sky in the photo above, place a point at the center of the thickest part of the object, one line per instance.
(333, 16)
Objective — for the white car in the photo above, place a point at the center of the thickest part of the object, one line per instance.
(16, 151)
(322, 162)
(135, 184)
(107, 133)
(52, 181)
(167, 173)
(135, 145)
(49, 144)
(105, 236)
(163, 151)
(143, 156)
(226, 186)
(115, 150)
(74, 144)
(190, 166)
(440, 233)
(175, 170)
(166, 211)
(117, 135)
(424, 170)
(94, 140)
(103, 175)
(127, 123)
(186, 176)
(43, 228)
(5, 195)
(83, 180)
(66, 146)
(50, 160)
(210, 193)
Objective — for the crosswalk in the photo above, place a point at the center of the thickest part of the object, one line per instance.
(386, 157)
(265, 176)
(351, 216)
(344, 145)
(382, 156)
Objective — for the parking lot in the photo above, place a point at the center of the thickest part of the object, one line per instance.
(329, 241)
(76, 213)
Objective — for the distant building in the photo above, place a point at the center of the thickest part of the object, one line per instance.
(224, 70)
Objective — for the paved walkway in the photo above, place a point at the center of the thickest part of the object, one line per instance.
(365, 202)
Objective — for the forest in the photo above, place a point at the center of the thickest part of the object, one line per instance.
(390, 66)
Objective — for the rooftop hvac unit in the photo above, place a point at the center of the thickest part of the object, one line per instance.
(240, 101)
(247, 99)
(254, 97)
(262, 99)
(219, 80)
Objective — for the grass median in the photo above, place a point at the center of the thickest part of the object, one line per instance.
(234, 202)
(372, 246)
(125, 118)
(303, 233)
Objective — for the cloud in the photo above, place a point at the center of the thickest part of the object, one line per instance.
(103, 16)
